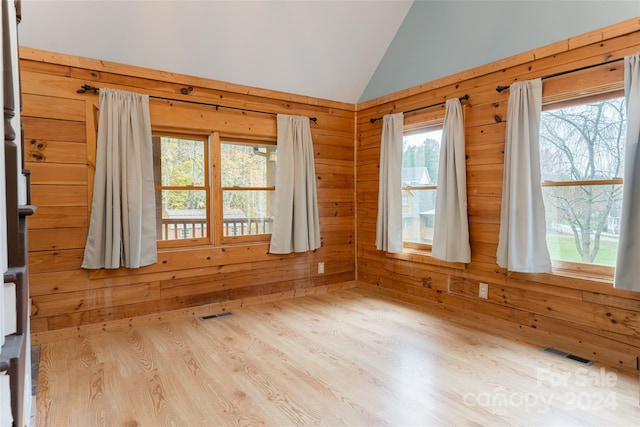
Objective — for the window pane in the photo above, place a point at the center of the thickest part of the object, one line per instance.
(583, 223)
(583, 143)
(418, 214)
(247, 212)
(248, 165)
(420, 157)
(181, 214)
(181, 162)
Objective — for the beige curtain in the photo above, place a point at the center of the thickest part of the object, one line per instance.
(296, 222)
(389, 221)
(627, 274)
(4, 264)
(451, 227)
(122, 228)
(522, 243)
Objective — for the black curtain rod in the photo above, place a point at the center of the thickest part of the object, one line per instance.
(87, 88)
(462, 98)
(562, 73)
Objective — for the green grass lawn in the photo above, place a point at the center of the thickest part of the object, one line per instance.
(563, 248)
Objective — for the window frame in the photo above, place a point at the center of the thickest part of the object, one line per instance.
(572, 268)
(218, 192)
(213, 187)
(416, 129)
(205, 138)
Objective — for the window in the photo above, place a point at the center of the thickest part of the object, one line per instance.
(420, 157)
(582, 158)
(182, 189)
(248, 172)
(240, 197)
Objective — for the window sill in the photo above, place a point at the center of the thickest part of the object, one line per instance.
(569, 278)
(602, 278)
(171, 245)
(424, 257)
(247, 239)
(206, 246)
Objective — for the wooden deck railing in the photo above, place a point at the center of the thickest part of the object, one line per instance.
(246, 226)
(194, 228)
(183, 228)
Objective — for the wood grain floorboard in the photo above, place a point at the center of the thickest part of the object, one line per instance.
(344, 358)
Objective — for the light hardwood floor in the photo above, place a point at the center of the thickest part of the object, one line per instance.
(344, 358)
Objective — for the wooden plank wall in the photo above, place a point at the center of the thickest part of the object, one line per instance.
(60, 129)
(577, 315)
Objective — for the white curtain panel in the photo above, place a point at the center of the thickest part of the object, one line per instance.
(522, 244)
(627, 274)
(122, 228)
(389, 221)
(296, 222)
(451, 226)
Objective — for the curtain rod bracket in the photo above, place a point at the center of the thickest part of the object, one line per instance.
(186, 90)
(501, 88)
(88, 88)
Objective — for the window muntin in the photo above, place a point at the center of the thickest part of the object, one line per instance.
(420, 159)
(582, 158)
(180, 164)
(248, 188)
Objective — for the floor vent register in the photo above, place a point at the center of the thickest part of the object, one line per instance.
(216, 316)
(581, 360)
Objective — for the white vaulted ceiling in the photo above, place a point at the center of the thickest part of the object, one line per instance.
(324, 49)
(346, 50)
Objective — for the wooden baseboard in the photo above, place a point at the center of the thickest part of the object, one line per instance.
(594, 347)
(202, 310)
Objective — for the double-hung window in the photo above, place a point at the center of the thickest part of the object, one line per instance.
(582, 159)
(248, 171)
(420, 159)
(182, 189)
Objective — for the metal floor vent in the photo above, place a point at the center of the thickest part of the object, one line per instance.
(215, 316)
(573, 357)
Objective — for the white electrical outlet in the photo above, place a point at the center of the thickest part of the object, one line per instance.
(484, 290)
(321, 267)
